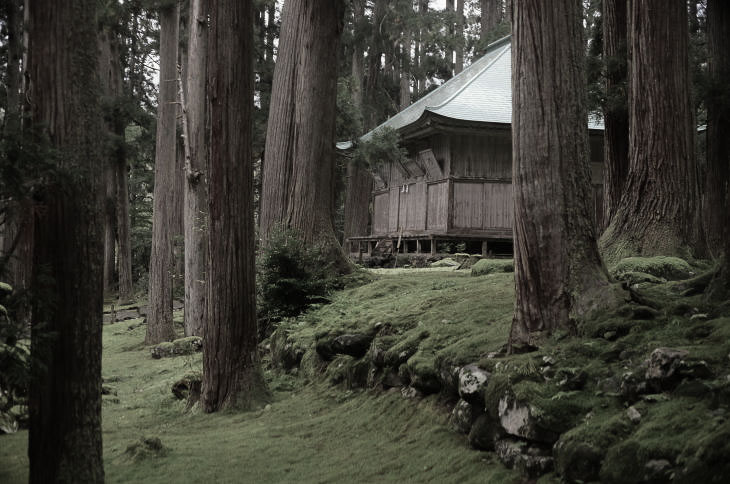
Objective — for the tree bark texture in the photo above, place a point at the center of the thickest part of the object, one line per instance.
(405, 71)
(559, 277)
(232, 376)
(718, 125)
(110, 172)
(196, 200)
(615, 112)
(298, 184)
(659, 209)
(491, 15)
(280, 131)
(359, 180)
(159, 321)
(65, 443)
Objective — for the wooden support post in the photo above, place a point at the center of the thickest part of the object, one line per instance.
(433, 246)
(418, 246)
(370, 247)
(485, 248)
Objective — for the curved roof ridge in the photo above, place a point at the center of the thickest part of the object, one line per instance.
(472, 80)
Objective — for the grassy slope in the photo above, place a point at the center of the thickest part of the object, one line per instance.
(311, 433)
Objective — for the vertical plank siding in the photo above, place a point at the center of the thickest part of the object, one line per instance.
(475, 170)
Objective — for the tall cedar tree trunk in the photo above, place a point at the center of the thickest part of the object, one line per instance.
(280, 130)
(124, 242)
(372, 113)
(359, 180)
(718, 124)
(718, 145)
(196, 200)
(299, 169)
(615, 111)
(64, 443)
(659, 209)
(459, 64)
(232, 376)
(110, 172)
(491, 15)
(558, 272)
(159, 321)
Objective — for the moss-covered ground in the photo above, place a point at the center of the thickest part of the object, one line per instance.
(311, 433)
(577, 386)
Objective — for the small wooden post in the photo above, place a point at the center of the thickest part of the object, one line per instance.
(485, 248)
(418, 246)
(433, 246)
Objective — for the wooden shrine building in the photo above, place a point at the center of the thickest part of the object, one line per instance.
(457, 182)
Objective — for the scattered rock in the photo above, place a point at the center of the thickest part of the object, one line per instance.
(517, 419)
(633, 415)
(352, 344)
(699, 317)
(485, 431)
(472, 382)
(657, 471)
(188, 387)
(409, 392)
(491, 266)
(181, 346)
(463, 416)
(145, 448)
(447, 262)
(126, 314)
(662, 367)
(108, 390)
(577, 461)
(529, 459)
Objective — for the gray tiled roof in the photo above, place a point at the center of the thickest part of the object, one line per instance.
(482, 92)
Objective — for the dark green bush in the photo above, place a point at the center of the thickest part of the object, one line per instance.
(290, 275)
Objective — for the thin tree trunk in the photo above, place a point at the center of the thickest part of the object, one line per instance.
(124, 244)
(65, 442)
(718, 124)
(110, 172)
(196, 201)
(405, 71)
(359, 181)
(616, 113)
(232, 376)
(459, 63)
(159, 320)
(659, 209)
(559, 277)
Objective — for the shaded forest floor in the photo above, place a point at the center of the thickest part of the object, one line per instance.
(312, 432)
(364, 389)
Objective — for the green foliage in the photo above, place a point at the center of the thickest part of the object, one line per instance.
(383, 147)
(14, 354)
(291, 275)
